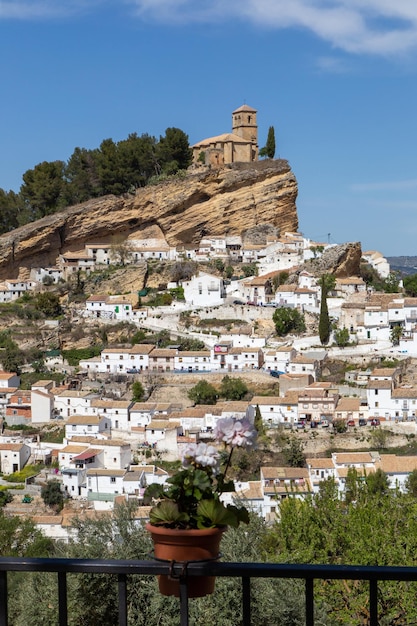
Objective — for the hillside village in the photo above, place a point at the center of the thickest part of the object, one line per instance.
(112, 445)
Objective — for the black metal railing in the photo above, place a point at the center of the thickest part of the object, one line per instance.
(245, 571)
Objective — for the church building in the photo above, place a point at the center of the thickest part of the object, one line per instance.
(239, 146)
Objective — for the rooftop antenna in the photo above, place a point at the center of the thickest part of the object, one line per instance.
(328, 237)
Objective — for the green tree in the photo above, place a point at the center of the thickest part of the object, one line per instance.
(11, 207)
(5, 497)
(293, 452)
(410, 285)
(12, 357)
(138, 160)
(52, 495)
(48, 303)
(138, 391)
(249, 269)
(339, 425)
(81, 175)
(378, 438)
(109, 169)
(228, 271)
(203, 393)
(20, 537)
(233, 388)
(326, 282)
(396, 334)
(341, 337)
(269, 149)
(43, 189)
(377, 483)
(288, 320)
(174, 151)
(258, 421)
(411, 483)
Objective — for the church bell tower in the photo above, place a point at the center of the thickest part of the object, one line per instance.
(244, 123)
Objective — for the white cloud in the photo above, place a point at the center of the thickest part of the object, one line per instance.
(379, 27)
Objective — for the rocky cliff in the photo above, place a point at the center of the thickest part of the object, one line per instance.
(342, 261)
(207, 202)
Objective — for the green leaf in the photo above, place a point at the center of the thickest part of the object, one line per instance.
(212, 513)
(167, 513)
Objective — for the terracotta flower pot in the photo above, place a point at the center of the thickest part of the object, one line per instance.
(186, 545)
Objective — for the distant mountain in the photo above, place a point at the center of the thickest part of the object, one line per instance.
(404, 264)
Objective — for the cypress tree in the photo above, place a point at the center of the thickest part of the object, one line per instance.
(270, 143)
(269, 149)
(324, 321)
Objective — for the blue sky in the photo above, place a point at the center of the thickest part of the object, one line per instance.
(336, 79)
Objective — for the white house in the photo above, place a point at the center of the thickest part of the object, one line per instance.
(278, 359)
(163, 435)
(204, 290)
(284, 482)
(93, 425)
(404, 403)
(378, 262)
(116, 411)
(274, 410)
(120, 360)
(13, 289)
(13, 457)
(72, 262)
(42, 405)
(378, 396)
(240, 339)
(320, 469)
(303, 364)
(293, 296)
(9, 379)
(192, 361)
(398, 469)
(72, 402)
(46, 275)
(116, 453)
(103, 485)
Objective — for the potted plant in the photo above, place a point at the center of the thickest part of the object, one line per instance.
(189, 519)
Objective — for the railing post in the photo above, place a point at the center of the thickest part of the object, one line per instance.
(3, 599)
(183, 601)
(373, 603)
(122, 585)
(246, 608)
(309, 602)
(62, 599)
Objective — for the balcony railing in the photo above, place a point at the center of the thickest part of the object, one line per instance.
(245, 571)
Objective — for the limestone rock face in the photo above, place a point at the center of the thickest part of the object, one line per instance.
(208, 202)
(342, 261)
